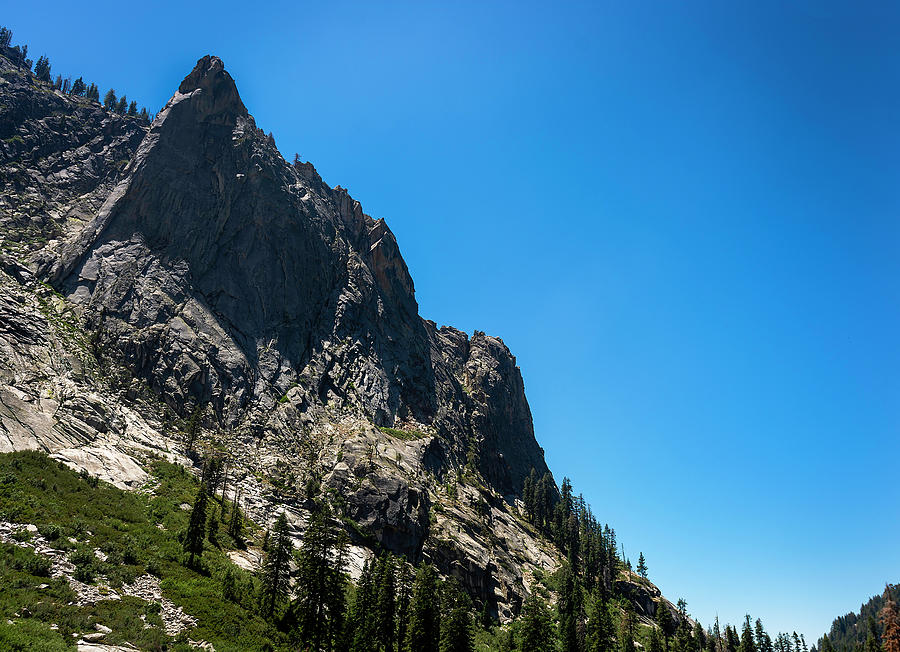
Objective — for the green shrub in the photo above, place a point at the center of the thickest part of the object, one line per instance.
(84, 574)
(50, 532)
(39, 566)
(27, 635)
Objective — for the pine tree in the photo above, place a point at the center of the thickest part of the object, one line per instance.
(570, 609)
(122, 105)
(748, 644)
(109, 103)
(404, 585)
(385, 605)
(78, 87)
(825, 645)
(93, 93)
(528, 494)
(601, 634)
(275, 577)
(535, 626)
(763, 641)
(132, 109)
(698, 640)
(627, 628)
(319, 580)
(890, 622)
(665, 621)
(423, 633)
(5, 37)
(656, 644)
(192, 431)
(144, 117)
(360, 627)
(42, 69)
(715, 640)
(457, 633)
(236, 522)
(642, 566)
(193, 538)
(732, 642)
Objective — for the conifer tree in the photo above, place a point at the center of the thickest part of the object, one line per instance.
(763, 640)
(457, 633)
(404, 585)
(698, 640)
(715, 640)
(890, 622)
(748, 644)
(528, 489)
(826, 646)
(601, 635)
(92, 93)
(665, 621)
(642, 566)
(361, 622)
(132, 109)
(193, 538)
(275, 577)
(535, 626)
(385, 605)
(122, 105)
(144, 116)
(627, 628)
(732, 642)
(316, 612)
(656, 644)
(42, 69)
(423, 633)
(570, 609)
(109, 103)
(5, 37)
(78, 87)
(236, 522)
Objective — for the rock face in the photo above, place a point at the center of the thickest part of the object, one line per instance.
(223, 273)
(219, 279)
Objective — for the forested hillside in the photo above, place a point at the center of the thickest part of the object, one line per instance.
(865, 631)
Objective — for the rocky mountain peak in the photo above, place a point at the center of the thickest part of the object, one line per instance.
(212, 91)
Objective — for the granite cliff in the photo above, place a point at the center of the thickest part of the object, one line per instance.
(154, 273)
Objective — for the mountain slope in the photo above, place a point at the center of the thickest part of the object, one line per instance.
(214, 279)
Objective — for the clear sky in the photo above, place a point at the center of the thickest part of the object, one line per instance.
(682, 217)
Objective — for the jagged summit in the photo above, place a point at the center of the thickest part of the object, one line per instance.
(213, 91)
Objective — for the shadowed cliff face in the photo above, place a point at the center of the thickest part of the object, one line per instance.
(226, 276)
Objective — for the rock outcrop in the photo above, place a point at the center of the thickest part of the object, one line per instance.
(192, 270)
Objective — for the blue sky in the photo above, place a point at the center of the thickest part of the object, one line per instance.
(681, 217)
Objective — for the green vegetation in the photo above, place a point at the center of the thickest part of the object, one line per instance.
(875, 628)
(18, 54)
(408, 435)
(126, 528)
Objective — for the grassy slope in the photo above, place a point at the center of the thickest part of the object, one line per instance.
(35, 489)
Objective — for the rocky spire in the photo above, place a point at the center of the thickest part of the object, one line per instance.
(212, 90)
